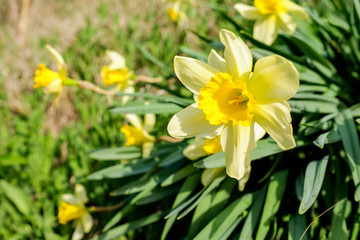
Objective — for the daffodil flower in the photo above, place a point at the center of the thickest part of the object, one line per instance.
(138, 133)
(230, 99)
(116, 73)
(52, 81)
(72, 208)
(271, 16)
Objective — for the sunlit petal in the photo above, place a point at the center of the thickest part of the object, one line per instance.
(287, 23)
(80, 193)
(149, 122)
(266, 29)
(193, 73)
(216, 61)
(57, 57)
(237, 143)
(195, 149)
(191, 122)
(275, 118)
(274, 77)
(296, 9)
(117, 61)
(237, 55)
(259, 132)
(134, 119)
(70, 199)
(87, 222)
(248, 12)
(79, 231)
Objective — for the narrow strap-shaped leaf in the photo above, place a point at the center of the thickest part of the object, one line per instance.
(272, 203)
(314, 176)
(117, 153)
(182, 173)
(127, 227)
(155, 108)
(350, 140)
(219, 225)
(185, 191)
(297, 225)
(253, 216)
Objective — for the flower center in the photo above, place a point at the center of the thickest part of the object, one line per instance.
(212, 146)
(223, 100)
(44, 76)
(118, 76)
(134, 136)
(269, 6)
(68, 212)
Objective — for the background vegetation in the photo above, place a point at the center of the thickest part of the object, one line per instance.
(44, 152)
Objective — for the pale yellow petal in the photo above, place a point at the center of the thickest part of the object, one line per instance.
(209, 175)
(274, 77)
(242, 182)
(193, 73)
(237, 143)
(259, 132)
(195, 149)
(149, 122)
(78, 232)
(57, 57)
(275, 118)
(191, 122)
(287, 23)
(248, 12)
(117, 61)
(146, 149)
(70, 199)
(237, 55)
(295, 9)
(55, 87)
(134, 119)
(216, 61)
(87, 222)
(80, 193)
(266, 29)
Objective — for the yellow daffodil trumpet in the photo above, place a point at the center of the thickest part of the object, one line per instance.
(231, 99)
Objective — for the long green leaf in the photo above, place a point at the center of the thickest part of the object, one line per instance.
(17, 196)
(297, 226)
(219, 225)
(117, 153)
(272, 203)
(127, 227)
(314, 176)
(156, 108)
(350, 140)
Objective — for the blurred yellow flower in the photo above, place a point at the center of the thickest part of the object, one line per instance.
(116, 72)
(73, 208)
(174, 11)
(230, 99)
(51, 81)
(138, 133)
(271, 17)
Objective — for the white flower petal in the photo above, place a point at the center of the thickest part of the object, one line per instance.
(287, 23)
(146, 149)
(70, 199)
(195, 149)
(193, 73)
(209, 175)
(87, 222)
(117, 61)
(237, 55)
(274, 77)
(80, 193)
(135, 120)
(248, 12)
(128, 89)
(259, 132)
(79, 231)
(266, 29)
(57, 57)
(296, 9)
(149, 122)
(216, 61)
(275, 118)
(237, 143)
(191, 122)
